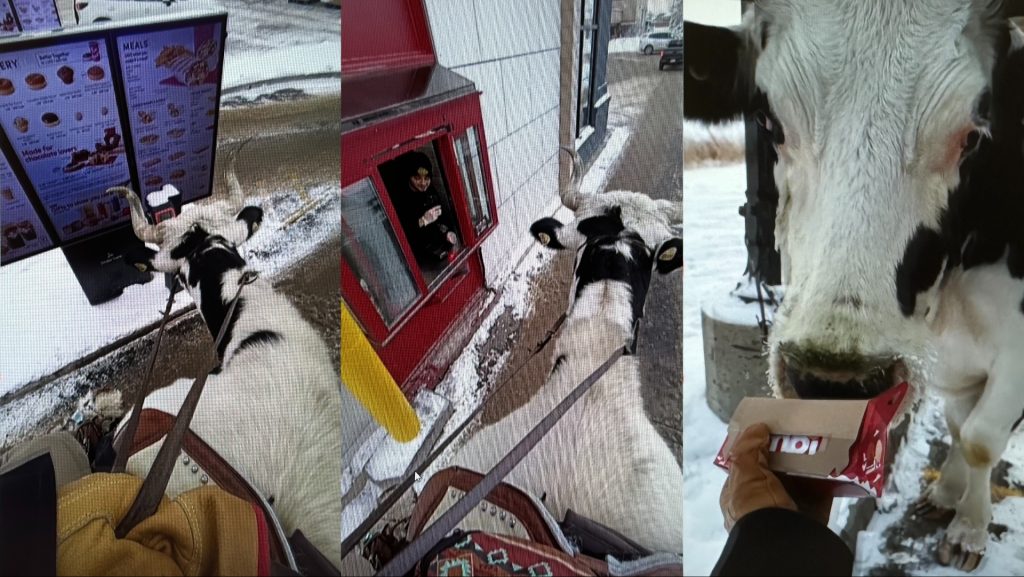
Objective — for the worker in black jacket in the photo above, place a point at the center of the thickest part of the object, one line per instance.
(428, 225)
(769, 533)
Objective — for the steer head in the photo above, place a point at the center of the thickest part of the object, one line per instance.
(618, 236)
(202, 239)
(881, 112)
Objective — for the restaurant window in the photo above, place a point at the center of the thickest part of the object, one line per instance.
(467, 151)
(419, 192)
(588, 41)
(369, 245)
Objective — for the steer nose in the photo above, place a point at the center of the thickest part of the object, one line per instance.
(816, 374)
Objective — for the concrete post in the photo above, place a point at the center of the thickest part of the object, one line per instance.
(735, 363)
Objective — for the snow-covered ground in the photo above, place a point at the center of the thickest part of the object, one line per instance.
(625, 44)
(53, 324)
(714, 262)
(44, 305)
(714, 259)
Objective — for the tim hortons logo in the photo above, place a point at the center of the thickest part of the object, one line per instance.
(794, 444)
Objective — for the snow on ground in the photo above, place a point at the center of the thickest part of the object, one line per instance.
(323, 57)
(42, 295)
(714, 261)
(626, 44)
(1005, 556)
(44, 306)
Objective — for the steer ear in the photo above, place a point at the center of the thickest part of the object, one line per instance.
(718, 72)
(669, 255)
(253, 218)
(551, 233)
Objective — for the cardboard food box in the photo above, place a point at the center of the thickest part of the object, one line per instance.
(844, 444)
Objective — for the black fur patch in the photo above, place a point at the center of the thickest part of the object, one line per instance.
(550, 227)
(608, 224)
(986, 211)
(599, 262)
(190, 242)
(919, 268)
(253, 217)
(718, 73)
(559, 361)
(206, 270)
(258, 338)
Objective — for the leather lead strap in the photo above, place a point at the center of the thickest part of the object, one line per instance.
(155, 484)
(395, 494)
(123, 443)
(422, 545)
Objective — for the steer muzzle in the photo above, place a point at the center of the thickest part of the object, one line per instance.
(816, 374)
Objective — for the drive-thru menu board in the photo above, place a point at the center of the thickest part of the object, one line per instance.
(70, 101)
(8, 25)
(23, 232)
(60, 115)
(171, 79)
(36, 15)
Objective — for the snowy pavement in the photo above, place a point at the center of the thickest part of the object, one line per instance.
(44, 304)
(45, 317)
(893, 542)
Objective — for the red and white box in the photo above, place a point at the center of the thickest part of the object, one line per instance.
(842, 444)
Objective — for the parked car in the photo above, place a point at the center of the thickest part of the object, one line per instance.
(654, 41)
(672, 55)
(89, 11)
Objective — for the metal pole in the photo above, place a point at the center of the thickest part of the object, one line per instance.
(567, 96)
(763, 260)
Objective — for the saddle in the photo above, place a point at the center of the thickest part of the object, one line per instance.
(512, 533)
(200, 465)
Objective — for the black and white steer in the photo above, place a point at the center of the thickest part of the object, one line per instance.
(604, 459)
(272, 410)
(898, 130)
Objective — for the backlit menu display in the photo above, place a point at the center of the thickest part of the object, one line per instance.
(171, 79)
(36, 15)
(23, 230)
(8, 25)
(59, 110)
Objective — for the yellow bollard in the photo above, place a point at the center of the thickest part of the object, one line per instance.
(369, 380)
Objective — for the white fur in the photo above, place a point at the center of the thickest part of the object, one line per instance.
(871, 94)
(273, 412)
(604, 459)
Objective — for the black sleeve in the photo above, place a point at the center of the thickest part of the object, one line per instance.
(407, 213)
(783, 542)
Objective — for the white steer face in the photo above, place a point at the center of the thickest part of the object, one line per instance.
(877, 110)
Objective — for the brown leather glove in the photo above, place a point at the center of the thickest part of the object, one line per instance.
(751, 485)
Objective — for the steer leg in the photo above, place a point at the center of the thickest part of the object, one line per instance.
(941, 497)
(983, 439)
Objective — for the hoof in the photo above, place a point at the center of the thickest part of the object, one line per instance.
(954, 555)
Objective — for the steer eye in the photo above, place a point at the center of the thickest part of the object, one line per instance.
(971, 142)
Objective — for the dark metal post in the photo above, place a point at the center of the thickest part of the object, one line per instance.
(763, 260)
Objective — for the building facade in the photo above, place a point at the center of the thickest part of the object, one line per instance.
(513, 51)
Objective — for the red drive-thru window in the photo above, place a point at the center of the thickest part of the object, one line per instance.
(417, 200)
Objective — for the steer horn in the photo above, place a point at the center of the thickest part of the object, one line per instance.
(145, 231)
(236, 198)
(571, 195)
